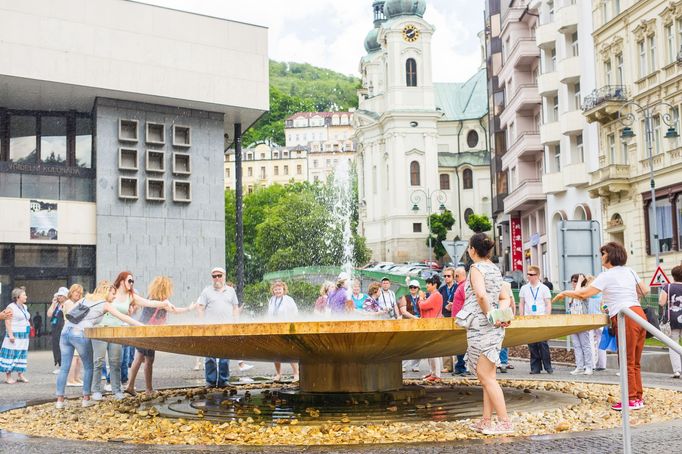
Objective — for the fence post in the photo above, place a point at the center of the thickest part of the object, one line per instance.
(624, 395)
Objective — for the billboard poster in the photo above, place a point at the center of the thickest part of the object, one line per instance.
(516, 245)
(43, 221)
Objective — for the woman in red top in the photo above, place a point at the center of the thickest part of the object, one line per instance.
(432, 307)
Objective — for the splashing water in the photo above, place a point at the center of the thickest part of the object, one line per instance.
(342, 209)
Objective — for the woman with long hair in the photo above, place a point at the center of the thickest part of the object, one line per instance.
(161, 289)
(73, 337)
(484, 293)
(282, 306)
(125, 301)
(73, 379)
(14, 352)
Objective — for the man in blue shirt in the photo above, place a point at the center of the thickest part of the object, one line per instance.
(447, 290)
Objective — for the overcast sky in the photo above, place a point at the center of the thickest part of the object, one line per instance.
(331, 33)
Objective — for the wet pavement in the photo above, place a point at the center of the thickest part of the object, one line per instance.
(176, 371)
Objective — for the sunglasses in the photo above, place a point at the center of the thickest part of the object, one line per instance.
(131, 281)
(575, 282)
(532, 274)
(447, 275)
(216, 276)
(412, 286)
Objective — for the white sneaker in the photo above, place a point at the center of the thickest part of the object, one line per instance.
(96, 396)
(88, 403)
(55, 372)
(415, 369)
(245, 367)
(577, 371)
(59, 405)
(119, 396)
(107, 387)
(588, 371)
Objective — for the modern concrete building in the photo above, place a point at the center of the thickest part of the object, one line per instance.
(265, 164)
(113, 117)
(637, 47)
(420, 144)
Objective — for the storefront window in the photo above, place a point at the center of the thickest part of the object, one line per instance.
(5, 255)
(40, 186)
(83, 257)
(53, 140)
(41, 256)
(22, 139)
(664, 224)
(83, 142)
(76, 188)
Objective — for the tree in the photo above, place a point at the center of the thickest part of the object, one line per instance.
(479, 223)
(440, 224)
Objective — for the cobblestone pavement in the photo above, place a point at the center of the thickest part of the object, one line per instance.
(176, 371)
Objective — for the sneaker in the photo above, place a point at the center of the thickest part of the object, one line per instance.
(588, 372)
(245, 367)
(96, 396)
(88, 403)
(502, 370)
(59, 405)
(480, 425)
(119, 396)
(433, 379)
(577, 371)
(639, 404)
(502, 427)
(632, 405)
(676, 375)
(55, 372)
(599, 369)
(107, 387)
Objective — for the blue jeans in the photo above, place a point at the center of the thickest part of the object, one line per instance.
(461, 366)
(69, 341)
(504, 356)
(217, 377)
(126, 361)
(101, 349)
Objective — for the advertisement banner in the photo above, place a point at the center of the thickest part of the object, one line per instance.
(43, 222)
(516, 245)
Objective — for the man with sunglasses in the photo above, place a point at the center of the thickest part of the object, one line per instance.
(447, 291)
(218, 304)
(536, 299)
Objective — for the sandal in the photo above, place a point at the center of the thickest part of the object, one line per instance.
(130, 392)
(10, 381)
(22, 380)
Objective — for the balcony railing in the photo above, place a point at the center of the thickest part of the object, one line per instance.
(604, 94)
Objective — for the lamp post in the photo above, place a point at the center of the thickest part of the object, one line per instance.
(429, 197)
(627, 120)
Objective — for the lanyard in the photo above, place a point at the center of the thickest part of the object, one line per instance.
(24, 313)
(278, 304)
(449, 292)
(535, 295)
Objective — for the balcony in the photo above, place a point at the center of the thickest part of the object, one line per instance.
(553, 183)
(522, 55)
(525, 144)
(603, 104)
(526, 97)
(525, 196)
(571, 123)
(610, 179)
(548, 83)
(567, 18)
(498, 203)
(576, 175)
(550, 132)
(547, 34)
(569, 70)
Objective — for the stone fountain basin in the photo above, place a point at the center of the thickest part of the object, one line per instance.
(337, 356)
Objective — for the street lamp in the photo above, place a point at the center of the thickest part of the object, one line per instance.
(429, 197)
(628, 120)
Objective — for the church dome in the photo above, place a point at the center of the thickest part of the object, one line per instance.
(393, 8)
(371, 43)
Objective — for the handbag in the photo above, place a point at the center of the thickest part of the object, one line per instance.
(649, 312)
(665, 318)
(608, 340)
(464, 318)
(80, 311)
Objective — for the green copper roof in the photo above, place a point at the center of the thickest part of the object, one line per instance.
(472, 158)
(463, 101)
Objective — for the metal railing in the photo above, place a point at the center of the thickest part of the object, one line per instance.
(603, 94)
(623, 366)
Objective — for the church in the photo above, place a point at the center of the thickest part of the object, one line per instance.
(422, 147)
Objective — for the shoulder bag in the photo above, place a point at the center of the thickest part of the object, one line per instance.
(80, 311)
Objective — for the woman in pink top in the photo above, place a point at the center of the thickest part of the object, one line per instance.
(432, 307)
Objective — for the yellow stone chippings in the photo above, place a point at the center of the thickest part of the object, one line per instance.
(124, 421)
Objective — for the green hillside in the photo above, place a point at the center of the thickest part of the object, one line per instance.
(301, 87)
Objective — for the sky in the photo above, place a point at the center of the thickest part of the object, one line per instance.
(331, 33)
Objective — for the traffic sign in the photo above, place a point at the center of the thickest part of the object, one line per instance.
(659, 278)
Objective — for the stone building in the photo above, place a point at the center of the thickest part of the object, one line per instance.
(264, 164)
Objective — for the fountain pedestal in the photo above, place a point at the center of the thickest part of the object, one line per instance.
(338, 356)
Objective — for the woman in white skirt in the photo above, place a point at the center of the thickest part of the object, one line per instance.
(14, 352)
(582, 342)
(283, 307)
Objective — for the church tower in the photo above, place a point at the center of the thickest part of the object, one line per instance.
(396, 131)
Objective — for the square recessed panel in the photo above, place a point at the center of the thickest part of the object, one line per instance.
(182, 164)
(127, 130)
(156, 189)
(182, 136)
(182, 191)
(155, 161)
(155, 133)
(127, 159)
(127, 188)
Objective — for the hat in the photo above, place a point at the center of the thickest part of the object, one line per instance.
(63, 291)
(343, 276)
(218, 269)
(414, 283)
(385, 278)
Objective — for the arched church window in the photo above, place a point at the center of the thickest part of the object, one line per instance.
(467, 179)
(444, 181)
(411, 72)
(467, 214)
(415, 179)
(472, 139)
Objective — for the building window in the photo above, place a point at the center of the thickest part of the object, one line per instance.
(611, 146)
(616, 7)
(467, 214)
(642, 58)
(444, 181)
(557, 157)
(472, 139)
(83, 142)
(249, 156)
(411, 72)
(467, 179)
(227, 173)
(416, 227)
(53, 140)
(664, 224)
(415, 178)
(656, 120)
(22, 139)
(624, 152)
(374, 179)
(579, 150)
(299, 169)
(315, 164)
(619, 69)
(262, 173)
(576, 96)
(608, 76)
(250, 190)
(249, 171)
(574, 44)
(276, 170)
(652, 53)
(670, 43)
(286, 170)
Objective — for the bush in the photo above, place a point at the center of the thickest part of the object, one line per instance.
(479, 223)
(256, 296)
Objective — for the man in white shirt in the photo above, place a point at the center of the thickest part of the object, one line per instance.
(387, 299)
(536, 299)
